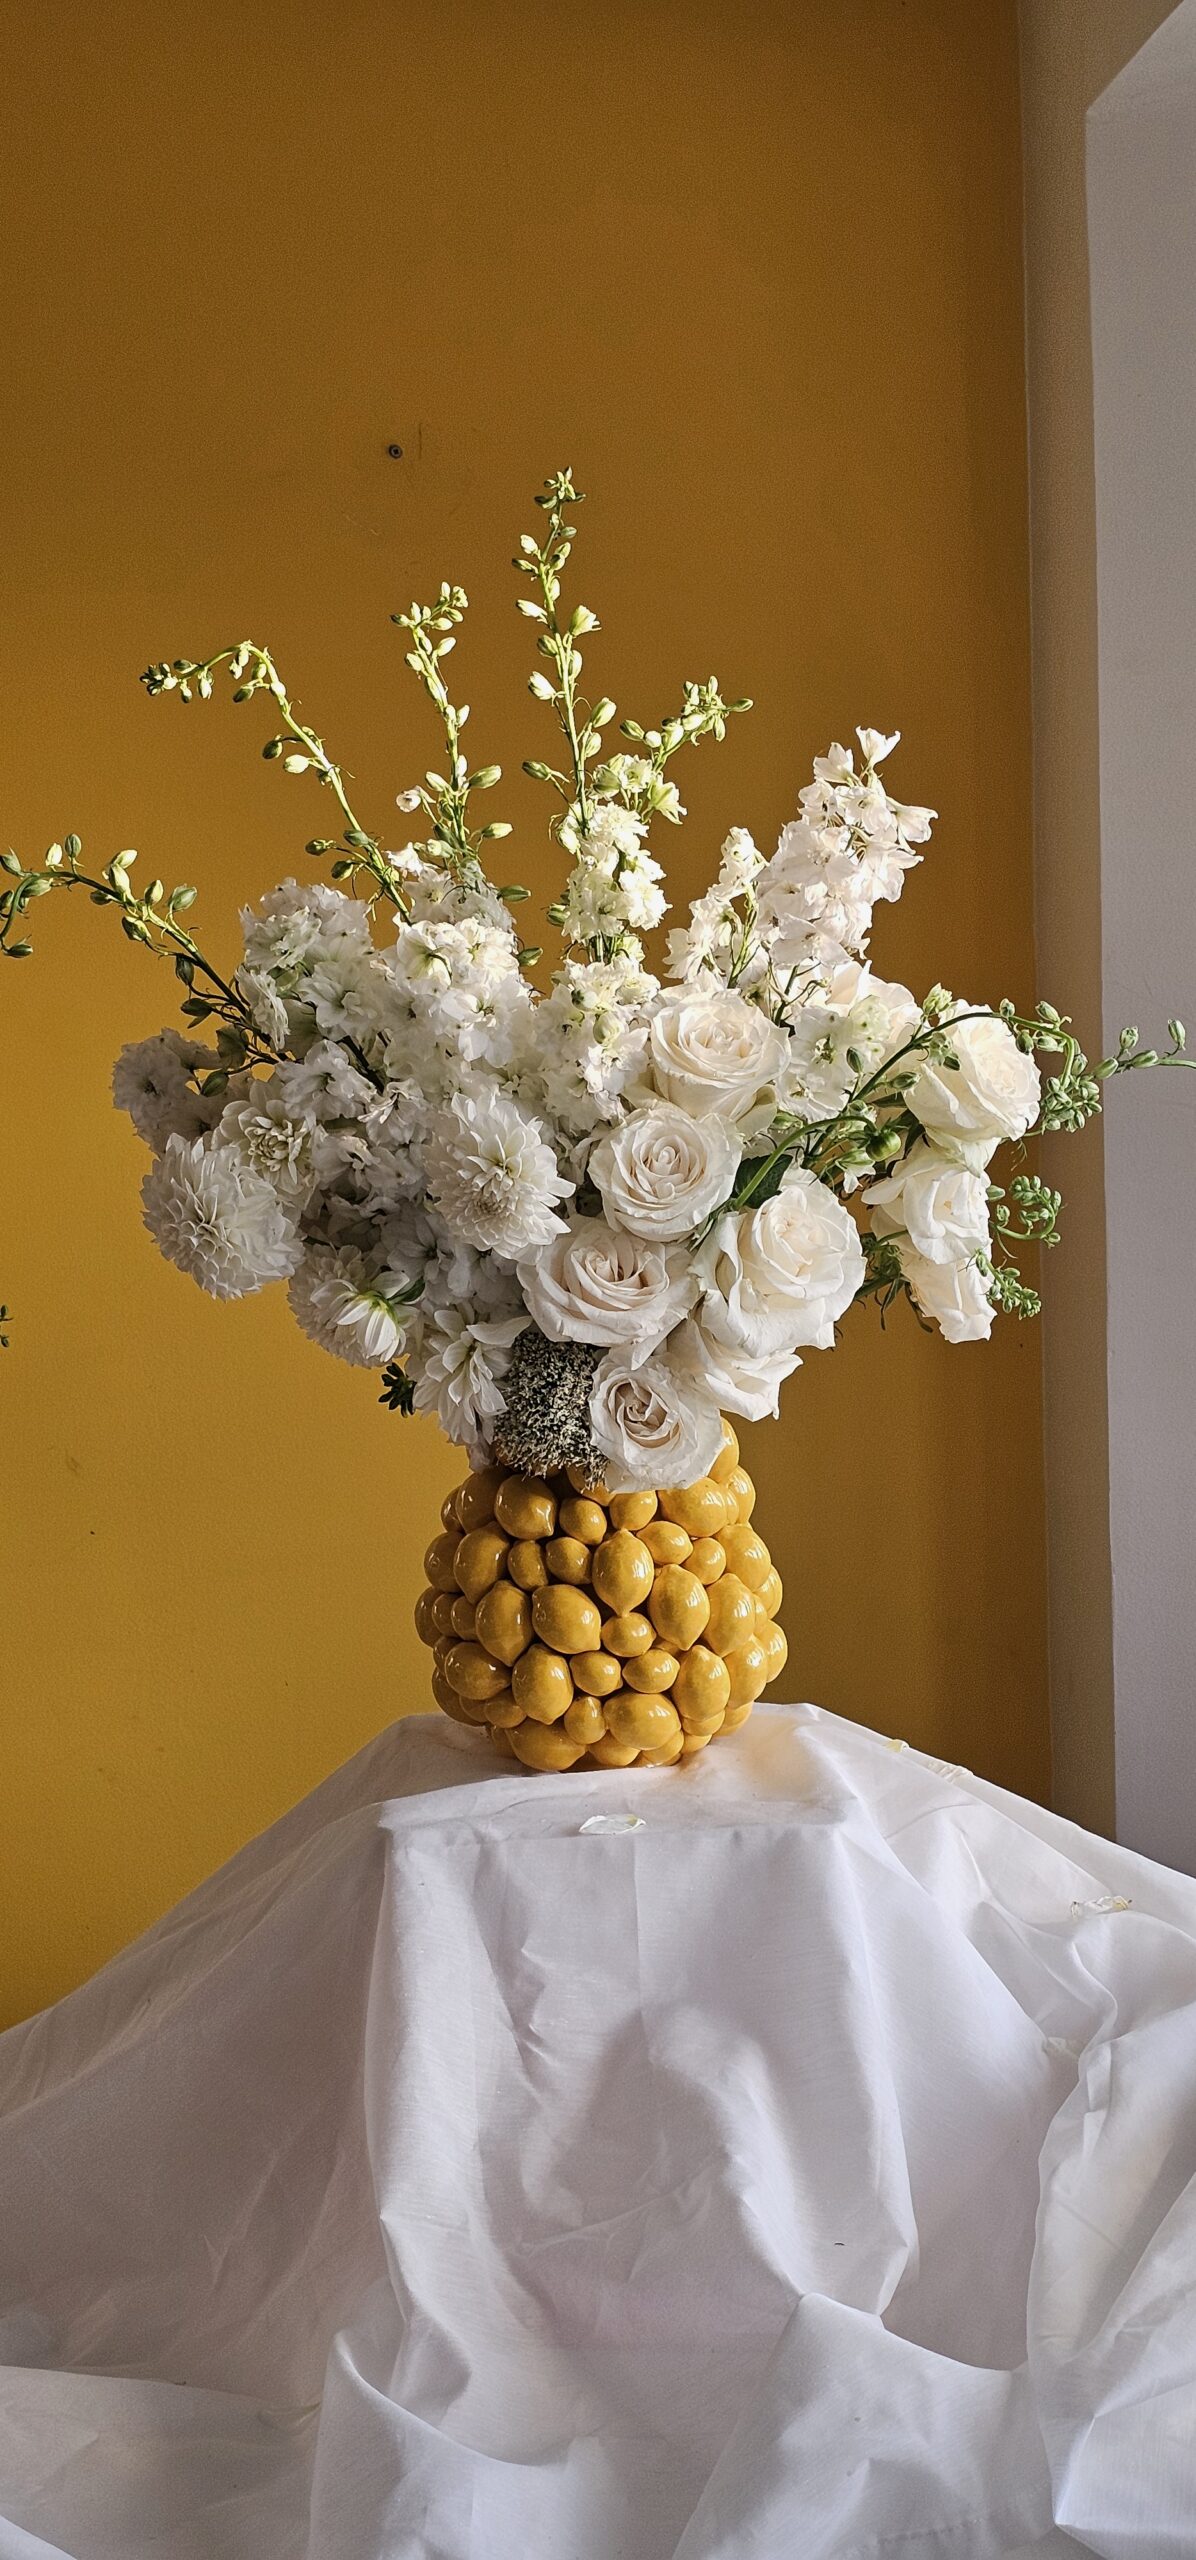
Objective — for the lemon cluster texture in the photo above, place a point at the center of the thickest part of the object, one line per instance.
(620, 1630)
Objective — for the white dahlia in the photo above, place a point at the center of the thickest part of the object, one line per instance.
(491, 1175)
(210, 1213)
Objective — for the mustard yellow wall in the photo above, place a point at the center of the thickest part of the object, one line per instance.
(755, 272)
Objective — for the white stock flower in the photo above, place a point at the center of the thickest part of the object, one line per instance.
(462, 1359)
(151, 1081)
(652, 1426)
(345, 1308)
(213, 1216)
(935, 1200)
(993, 1092)
(491, 1175)
(778, 1278)
(953, 1294)
(298, 925)
(598, 1284)
(710, 1050)
(583, 1042)
(661, 1172)
(738, 1381)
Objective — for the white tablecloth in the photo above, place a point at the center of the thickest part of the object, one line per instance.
(804, 2174)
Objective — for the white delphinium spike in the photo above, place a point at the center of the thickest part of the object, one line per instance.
(720, 937)
(851, 846)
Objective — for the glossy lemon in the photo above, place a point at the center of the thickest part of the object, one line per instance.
(599, 1674)
(543, 1684)
(622, 1571)
(544, 1746)
(679, 1606)
(666, 1542)
(630, 1634)
(652, 1670)
(581, 1517)
(525, 1507)
(631, 1510)
(526, 1565)
(479, 1560)
(566, 1619)
(473, 1672)
(650, 1723)
(732, 1614)
(503, 1621)
(475, 1498)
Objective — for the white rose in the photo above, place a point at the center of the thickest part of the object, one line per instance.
(952, 1294)
(598, 1284)
(778, 1278)
(738, 1381)
(937, 1201)
(714, 1052)
(652, 1426)
(992, 1094)
(662, 1172)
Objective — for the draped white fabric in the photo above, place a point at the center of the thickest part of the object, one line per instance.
(805, 2173)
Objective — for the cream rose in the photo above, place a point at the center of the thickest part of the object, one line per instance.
(992, 1094)
(598, 1284)
(714, 1052)
(778, 1278)
(738, 1382)
(652, 1426)
(937, 1201)
(661, 1172)
(952, 1294)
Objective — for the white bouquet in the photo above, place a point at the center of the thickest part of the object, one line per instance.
(576, 1225)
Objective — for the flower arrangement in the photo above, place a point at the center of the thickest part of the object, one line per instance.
(580, 1225)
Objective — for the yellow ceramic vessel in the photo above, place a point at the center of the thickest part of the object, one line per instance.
(617, 1631)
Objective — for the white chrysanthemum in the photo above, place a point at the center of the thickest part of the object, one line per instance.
(463, 1357)
(491, 1175)
(212, 1215)
(152, 1082)
(346, 1308)
(653, 1426)
(275, 1145)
